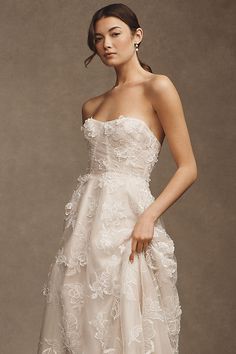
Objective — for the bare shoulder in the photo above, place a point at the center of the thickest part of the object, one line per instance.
(161, 84)
(90, 105)
(163, 93)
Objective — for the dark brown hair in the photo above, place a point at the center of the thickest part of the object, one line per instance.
(125, 14)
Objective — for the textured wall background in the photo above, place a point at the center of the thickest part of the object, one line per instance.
(43, 83)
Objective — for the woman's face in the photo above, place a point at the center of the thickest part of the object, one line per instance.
(114, 36)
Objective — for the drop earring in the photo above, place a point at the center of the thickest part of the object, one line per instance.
(136, 46)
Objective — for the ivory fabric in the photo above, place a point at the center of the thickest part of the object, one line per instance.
(96, 301)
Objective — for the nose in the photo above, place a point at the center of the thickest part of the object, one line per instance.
(106, 43)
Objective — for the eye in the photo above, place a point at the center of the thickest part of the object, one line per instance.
(113, 34)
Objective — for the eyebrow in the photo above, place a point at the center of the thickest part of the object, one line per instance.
(108, 30)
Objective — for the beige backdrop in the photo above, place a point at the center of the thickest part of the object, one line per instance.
(43, 83)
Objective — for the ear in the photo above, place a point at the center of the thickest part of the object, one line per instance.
(138, 37)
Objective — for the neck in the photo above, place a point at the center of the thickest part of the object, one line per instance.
(129, 72)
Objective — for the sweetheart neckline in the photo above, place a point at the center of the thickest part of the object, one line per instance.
(126, 117)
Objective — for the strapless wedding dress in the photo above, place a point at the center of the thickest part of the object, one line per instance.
(96, 301)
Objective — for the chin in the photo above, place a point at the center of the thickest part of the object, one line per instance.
(110, 64)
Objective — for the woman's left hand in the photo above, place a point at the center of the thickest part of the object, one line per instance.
(142, 234)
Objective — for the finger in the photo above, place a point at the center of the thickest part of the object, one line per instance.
(133, 249)
(145, 245)
(131, 257)
(140, 246)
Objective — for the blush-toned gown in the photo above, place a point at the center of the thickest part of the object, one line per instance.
(96, 301)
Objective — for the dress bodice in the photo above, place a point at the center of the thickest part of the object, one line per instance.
(122, 145)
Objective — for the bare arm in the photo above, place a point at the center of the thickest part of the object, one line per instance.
(86, 110)
(167, 104)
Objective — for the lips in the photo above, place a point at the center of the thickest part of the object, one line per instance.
(108, 54)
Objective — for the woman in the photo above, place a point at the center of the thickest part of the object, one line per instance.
(112, 287)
